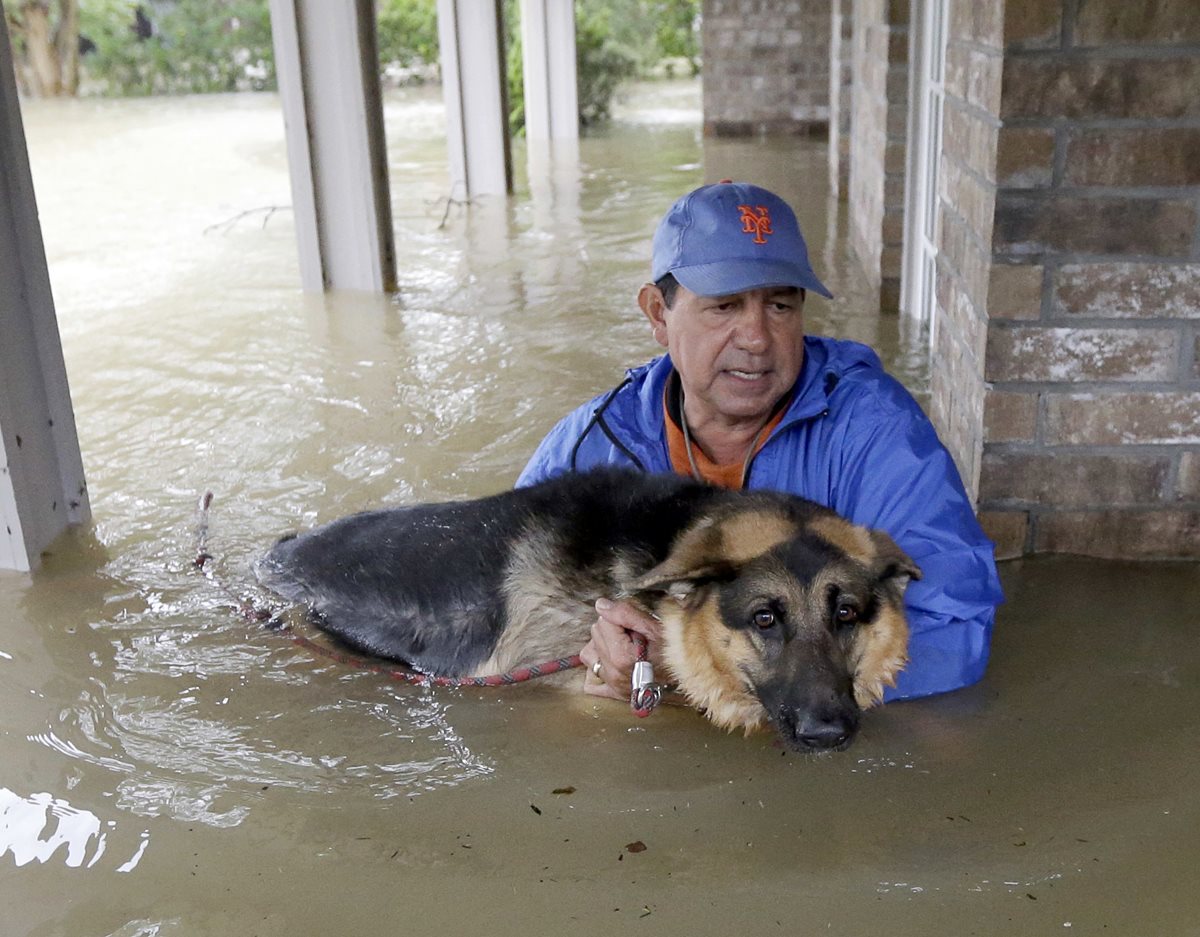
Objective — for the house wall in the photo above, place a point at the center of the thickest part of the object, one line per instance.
(766, 66)
(1092, 420)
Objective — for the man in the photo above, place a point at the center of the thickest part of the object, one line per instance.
(744, 399)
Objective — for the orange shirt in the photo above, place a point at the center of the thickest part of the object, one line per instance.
(727, 475)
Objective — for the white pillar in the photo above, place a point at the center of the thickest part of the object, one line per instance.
(473, 83)
(548, 47)
(42, 488)
(326, 60)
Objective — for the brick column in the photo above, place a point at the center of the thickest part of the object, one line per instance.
(966, 201)
(766, 66)
(1092, 423)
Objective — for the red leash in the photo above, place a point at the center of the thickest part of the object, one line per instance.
(644, 698)
(518, 675)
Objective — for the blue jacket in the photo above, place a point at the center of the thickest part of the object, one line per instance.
(854, 440)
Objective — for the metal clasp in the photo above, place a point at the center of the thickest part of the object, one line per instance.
(646, 693)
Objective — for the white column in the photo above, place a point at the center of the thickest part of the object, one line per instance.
(42, 488)
(325, 57)
(548, 47)
(473, 69)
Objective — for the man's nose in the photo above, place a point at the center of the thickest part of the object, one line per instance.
(752, 332)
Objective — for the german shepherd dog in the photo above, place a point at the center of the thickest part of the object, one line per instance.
(774, 609)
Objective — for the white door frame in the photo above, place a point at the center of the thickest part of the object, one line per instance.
(922, 214)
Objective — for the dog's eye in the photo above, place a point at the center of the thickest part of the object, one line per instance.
(764, 618)
(846, 614)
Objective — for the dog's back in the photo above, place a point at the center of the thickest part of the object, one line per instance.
(432, 585)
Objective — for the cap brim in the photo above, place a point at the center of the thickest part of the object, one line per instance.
(729, 277)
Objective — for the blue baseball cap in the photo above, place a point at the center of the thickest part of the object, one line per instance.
(729, 237)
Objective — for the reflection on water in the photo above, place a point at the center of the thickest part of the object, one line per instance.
(266, 777)
(25, 832)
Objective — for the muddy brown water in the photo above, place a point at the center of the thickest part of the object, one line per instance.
(169, 769)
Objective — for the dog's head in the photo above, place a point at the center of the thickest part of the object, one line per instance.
(796, 621)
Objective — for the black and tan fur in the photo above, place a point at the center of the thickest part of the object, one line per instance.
(774, 609)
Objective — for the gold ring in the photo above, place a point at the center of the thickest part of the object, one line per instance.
(596, 668)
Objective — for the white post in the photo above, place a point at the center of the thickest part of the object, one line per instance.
(473, 84)
(42, 487)
(326, 60)
(548, 57)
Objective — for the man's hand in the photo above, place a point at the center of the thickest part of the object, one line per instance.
(614, 647)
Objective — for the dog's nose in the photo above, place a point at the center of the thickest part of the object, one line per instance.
(819, 731)
(814, 733)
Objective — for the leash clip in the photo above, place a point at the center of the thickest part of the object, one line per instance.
(646, 693)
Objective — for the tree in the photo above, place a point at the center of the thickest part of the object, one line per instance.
(45, 39)
(677, 29)
(178, 47)
(407, 32)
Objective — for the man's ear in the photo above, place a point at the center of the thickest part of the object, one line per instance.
(653, 306)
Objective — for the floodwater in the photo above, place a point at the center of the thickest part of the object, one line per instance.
(167, 768)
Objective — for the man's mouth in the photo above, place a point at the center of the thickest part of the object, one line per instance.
(747, 375)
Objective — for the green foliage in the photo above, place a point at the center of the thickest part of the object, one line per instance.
(407, 32)
(602, 61)
(225, 45)
(615, 40)
(196, 46)
(676, 32)
(514, 68)
(650, 30)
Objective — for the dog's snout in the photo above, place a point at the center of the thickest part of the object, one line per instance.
(825, 729)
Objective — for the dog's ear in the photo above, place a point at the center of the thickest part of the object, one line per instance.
(695, 560)
(688, 594)
(714, 549)
(891, 565)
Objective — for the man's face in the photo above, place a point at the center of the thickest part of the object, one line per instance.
(736, 355)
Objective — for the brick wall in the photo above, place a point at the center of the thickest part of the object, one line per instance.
(879, 109)
(1092, 422)
(966, 194)
(766, 66)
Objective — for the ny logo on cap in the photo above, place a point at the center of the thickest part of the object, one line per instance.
(756, 220)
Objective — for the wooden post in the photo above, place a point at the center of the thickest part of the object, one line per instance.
(42, 487)
(326, 60)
